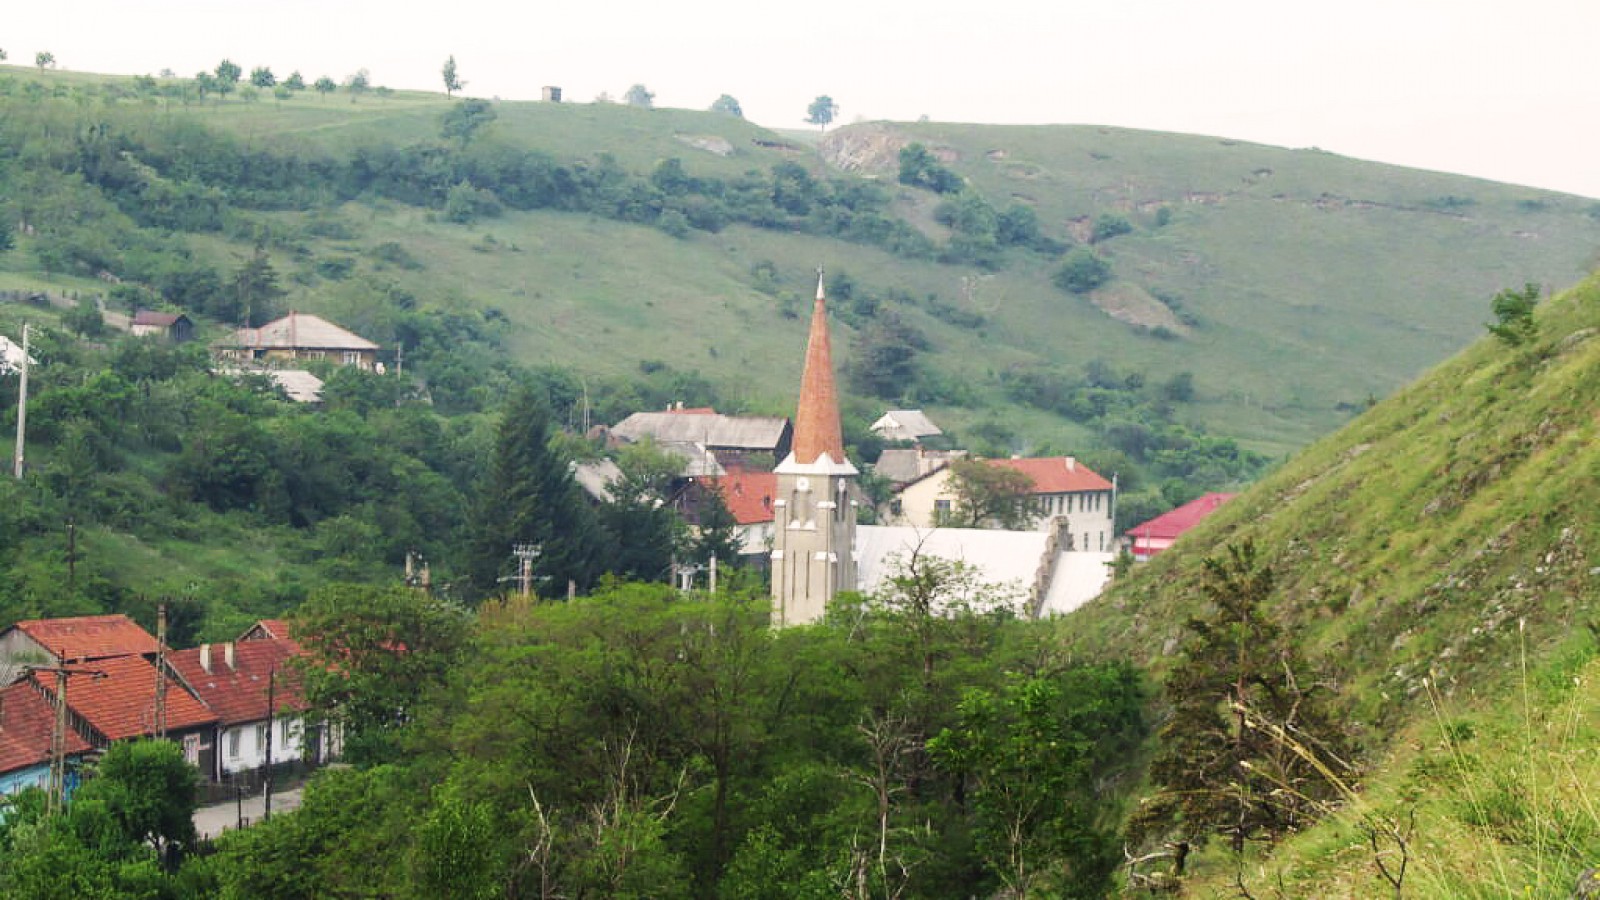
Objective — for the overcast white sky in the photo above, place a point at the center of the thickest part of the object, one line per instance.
(1493, 88)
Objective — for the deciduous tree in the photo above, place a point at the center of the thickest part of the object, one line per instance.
(640, 96)
(822, 111)
(262, 77)
(988, 495)
(44, 59)
(727, 105)
(326, 86)
(452, 81)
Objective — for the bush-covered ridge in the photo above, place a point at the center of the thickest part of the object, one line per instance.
(1437, 558)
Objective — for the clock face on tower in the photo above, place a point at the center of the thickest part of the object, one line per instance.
(802, 483)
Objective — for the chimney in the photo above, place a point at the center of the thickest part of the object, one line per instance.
(205, 658)
(1072, 464)
(227, 654)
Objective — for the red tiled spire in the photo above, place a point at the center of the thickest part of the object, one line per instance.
(816, 422)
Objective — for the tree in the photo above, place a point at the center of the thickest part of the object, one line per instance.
(1248, 717)
(44, 59)
(452, 81)
(463, 121)
(1110, 225)
(920, 168)
(639, 96)
(528, 496)
(325, 86)
(1029, 754)
(228, 73)
(1082, 271)
(1513, 311)
(2, 55)
(359, 84)
(254, 292)
(374, 654)
(986, 493)
(822, 111)
(262, 77)
(883, 358)
(295, 82)
(728, 106)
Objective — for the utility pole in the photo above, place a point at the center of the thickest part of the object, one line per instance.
(272, 677)
(22, 407)
(58, 734)
(525, 554)
(161, 671)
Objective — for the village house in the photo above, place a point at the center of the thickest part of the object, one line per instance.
(903, 465)
(27, 722)
(911, 425)
(115, 699)
(1061, 487)
(1150, 538)
(256, 695)
(749, 498)
(174, 327)
(298, 337)
(78, 639)
(750, 442)
(11, 356)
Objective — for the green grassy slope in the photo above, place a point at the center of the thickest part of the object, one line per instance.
(1438, 556)
(1317, 281)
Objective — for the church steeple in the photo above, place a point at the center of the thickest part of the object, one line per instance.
(816, 421)
(814, 533)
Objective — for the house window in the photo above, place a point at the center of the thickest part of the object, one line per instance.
(941, 512)
(262, 736)
(191, 749)
(233, 744)
(352, 357)
(284, 732)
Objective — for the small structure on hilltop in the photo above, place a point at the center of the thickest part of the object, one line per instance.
(550, 94)
(1152, 537)
(299, 337)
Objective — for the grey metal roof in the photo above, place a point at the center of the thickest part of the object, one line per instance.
(906, 424)
(300, 385)
(301, 331)
(596, 478)
(712, 430)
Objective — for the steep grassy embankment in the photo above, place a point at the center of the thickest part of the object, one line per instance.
(1438, 557)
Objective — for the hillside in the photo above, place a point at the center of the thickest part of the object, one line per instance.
(1294, 285)
(1437, 558)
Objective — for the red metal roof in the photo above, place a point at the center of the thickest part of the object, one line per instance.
(27, 719)
(1055, 474)
(122, 703)
(748, 495)
(89, 637)
(1170, 524)
(238, 693)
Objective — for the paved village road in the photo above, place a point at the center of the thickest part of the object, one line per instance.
(211, 821)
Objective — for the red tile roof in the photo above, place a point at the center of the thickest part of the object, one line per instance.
(27, 720)
(89, 637)
(122, 703)
(692, 411)
(1170, 524)
(748, 495)
(1055, 474)
(270, 629)
(239, 693)
(816, 422)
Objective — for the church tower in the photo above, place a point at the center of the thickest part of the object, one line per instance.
(814, 527)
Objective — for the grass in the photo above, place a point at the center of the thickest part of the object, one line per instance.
(1315, 281)
(1436, 555)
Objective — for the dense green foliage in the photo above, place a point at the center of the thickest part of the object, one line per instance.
(127, 828)
(639, 743)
